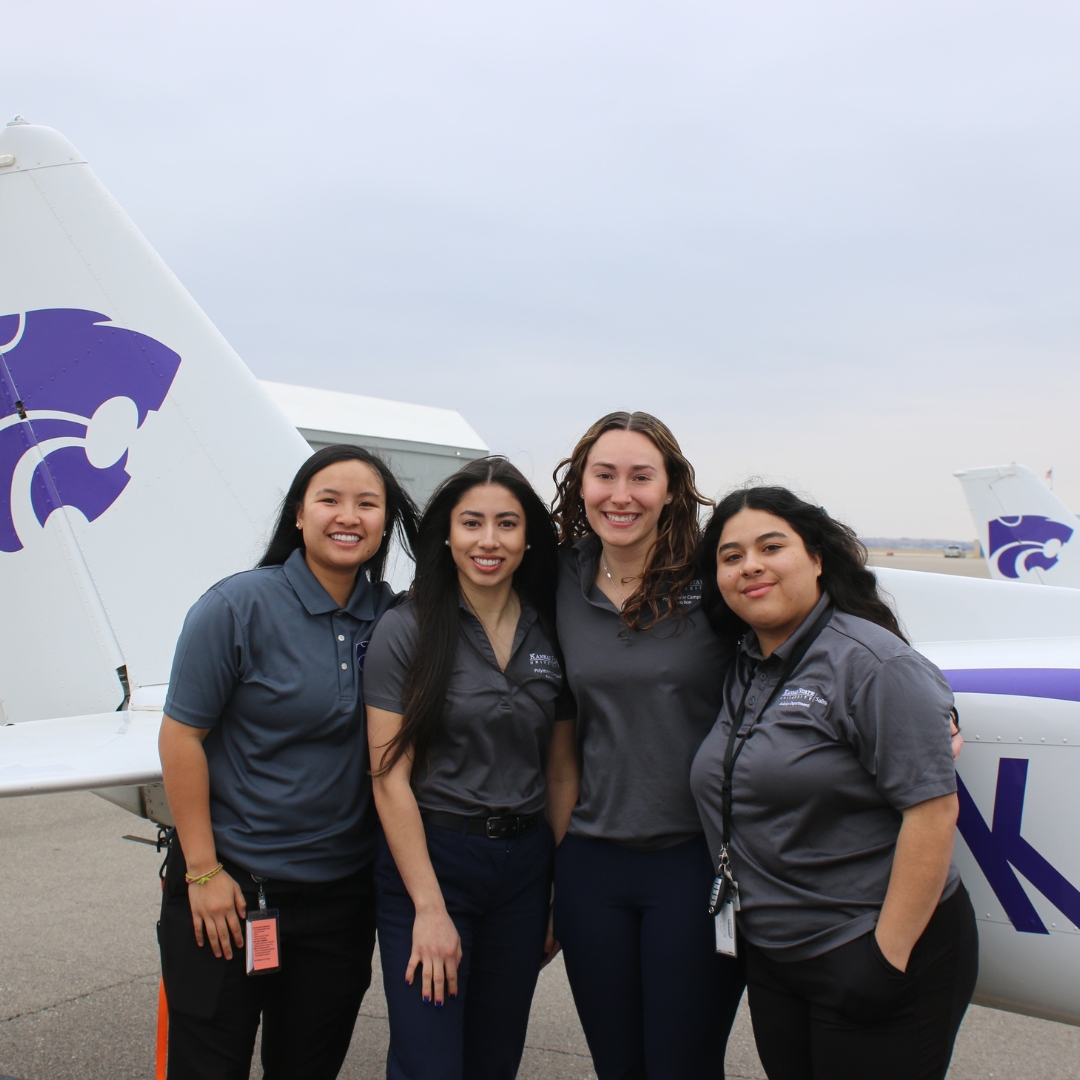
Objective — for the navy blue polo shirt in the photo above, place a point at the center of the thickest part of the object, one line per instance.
(273, 666)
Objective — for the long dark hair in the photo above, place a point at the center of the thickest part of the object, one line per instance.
(436, 592)
(844, 575)
(670, 566)
(401, 511)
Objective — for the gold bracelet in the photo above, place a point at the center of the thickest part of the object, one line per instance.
(205, 877)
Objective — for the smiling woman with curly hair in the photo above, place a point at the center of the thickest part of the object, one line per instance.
(647, 673)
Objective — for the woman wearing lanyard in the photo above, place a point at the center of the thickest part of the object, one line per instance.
(266, 771)
(828, 793)
(647, 673)
(475, 776)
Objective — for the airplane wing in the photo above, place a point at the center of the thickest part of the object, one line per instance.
(76, 753)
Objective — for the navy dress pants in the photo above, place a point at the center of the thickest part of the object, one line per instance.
(307, 1009)
(498, 893)
(655, 1000)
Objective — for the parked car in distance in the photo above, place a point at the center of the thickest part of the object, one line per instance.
(954, 551)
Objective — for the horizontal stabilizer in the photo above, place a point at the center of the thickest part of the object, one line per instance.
(114, 749)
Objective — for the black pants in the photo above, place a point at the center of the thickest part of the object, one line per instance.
(308, 1009)
(655, 1001)
(849, 1014)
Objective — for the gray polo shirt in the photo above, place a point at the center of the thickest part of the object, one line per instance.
(492, 749)
(645, 700)
(271, 664)
(859, 733)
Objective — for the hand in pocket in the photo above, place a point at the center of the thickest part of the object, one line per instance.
(871, 989)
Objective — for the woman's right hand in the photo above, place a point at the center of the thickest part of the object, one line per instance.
(217, 910)
(437, 948)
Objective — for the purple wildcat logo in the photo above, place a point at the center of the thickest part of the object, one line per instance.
(1024, 543)
(71, 386)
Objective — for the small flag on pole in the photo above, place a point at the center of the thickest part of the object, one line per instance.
(1050, 477)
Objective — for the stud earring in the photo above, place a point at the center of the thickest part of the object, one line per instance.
(298, 525)
(447, 543)
(528, 547)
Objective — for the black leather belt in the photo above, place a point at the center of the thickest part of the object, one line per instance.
(495, 828)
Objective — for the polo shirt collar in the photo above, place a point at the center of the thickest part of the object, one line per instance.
(588, 555)
(751, 648)
(317, 600)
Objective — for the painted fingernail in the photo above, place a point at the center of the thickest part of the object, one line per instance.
(427, 1000)
(438, 1004)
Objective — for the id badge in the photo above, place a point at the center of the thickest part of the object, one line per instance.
(725, 929)
(263, 954)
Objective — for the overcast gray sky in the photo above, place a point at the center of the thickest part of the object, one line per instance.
(831, 244)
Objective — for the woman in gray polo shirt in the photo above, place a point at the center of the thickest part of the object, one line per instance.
(266, 770)
(647, 673)
(472, 742)
(828, 794)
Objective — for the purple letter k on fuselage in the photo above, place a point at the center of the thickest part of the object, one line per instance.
(999, 849)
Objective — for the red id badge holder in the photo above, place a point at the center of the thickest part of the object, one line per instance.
(263, 950)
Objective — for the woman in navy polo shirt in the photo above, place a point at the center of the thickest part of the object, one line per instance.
(264, 758)
(472, 744)
(647, 673)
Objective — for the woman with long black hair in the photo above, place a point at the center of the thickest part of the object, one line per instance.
(265, 763)
(828, 794)
(647, 673)
(472, 747)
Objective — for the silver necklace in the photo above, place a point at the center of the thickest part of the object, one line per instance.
(614, 583)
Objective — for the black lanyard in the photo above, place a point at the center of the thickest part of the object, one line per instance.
(731, 754)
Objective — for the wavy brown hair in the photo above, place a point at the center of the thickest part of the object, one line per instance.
(670, 565)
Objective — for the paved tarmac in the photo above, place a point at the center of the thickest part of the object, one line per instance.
(932, 561)
(79, 971)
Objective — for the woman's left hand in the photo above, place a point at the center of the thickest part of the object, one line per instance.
(551, 946)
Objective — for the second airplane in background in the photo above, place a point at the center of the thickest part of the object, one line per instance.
(1025, 530)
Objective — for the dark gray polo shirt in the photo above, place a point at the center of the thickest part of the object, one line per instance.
(273, 666)
(492, 749)
(645, 700)
(859, 733)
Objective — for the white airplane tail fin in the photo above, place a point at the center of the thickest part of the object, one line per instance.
(140, 460)
(1026, 532)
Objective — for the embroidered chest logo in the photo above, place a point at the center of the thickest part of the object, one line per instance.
(692, 594)
(361, 652)
(545, 666)
(800, 697)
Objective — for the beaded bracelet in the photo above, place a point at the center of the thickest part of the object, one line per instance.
(204, 878)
